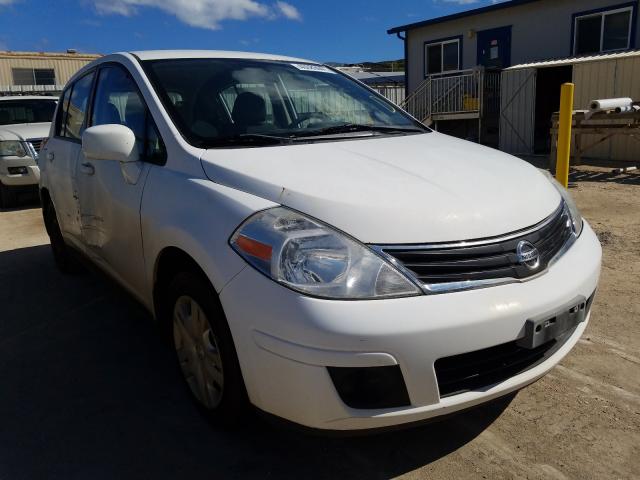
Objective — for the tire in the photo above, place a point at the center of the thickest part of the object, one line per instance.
(7, 197)
(62, 254)
(204, 349)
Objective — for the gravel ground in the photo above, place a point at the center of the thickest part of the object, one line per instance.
(88, 390)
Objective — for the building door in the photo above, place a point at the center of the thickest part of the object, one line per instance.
(548, 85)
(517, 110)
(494, 47)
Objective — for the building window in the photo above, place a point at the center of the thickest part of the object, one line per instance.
(34, 76)
(603, 31)
(442, 57)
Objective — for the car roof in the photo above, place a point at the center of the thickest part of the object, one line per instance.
(28, 97)
(169, 54)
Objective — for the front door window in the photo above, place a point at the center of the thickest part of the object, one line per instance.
(119, 102)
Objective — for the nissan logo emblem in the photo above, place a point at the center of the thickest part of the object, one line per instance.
(528, 255)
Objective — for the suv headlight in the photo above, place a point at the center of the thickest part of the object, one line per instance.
(12, 148)
(576, 217)
(315, 259)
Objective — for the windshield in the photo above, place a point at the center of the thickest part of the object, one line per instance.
(26, 111)
(235, 102)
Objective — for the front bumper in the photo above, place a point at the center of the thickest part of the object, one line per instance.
(31, 176)
(285, 341)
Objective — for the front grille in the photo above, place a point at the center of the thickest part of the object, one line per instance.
(484, 260)
(36, 142)
(474, 370)
(483, 368)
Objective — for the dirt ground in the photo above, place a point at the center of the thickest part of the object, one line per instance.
(88, 390)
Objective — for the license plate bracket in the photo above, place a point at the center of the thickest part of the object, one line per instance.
(544, 328)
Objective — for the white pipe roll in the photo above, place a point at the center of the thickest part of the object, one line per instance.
(610, 104)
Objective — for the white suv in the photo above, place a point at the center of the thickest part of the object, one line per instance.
(24, 124)
(310, 248)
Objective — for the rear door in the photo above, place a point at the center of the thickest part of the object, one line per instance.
(494, 47)
(110, 192)
(60, 155)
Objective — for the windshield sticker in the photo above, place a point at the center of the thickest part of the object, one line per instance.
(306, 67)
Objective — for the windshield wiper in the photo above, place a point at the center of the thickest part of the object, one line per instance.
(261, 139)
(247, 140)
(358, 127)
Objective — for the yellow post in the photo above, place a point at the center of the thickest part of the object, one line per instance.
(564, 134)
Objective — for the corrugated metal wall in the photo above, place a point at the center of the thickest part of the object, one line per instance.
(517, 110)
(608, 79)
(64, 65)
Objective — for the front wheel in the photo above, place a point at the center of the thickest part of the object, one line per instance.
(204, 349)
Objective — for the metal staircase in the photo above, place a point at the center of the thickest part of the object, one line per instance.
(454, 95)
(418, 103)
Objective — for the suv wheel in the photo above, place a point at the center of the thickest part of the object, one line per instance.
(65, 261)
(204, 349)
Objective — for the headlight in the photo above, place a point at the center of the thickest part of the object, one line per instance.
(12, 148)
(315, 259)
(576, 217)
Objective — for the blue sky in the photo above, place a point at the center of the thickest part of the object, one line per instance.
(324, 30)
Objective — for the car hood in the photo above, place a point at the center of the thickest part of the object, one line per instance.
(394, 190)
(24, 131)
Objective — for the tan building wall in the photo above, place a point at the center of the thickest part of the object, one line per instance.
(64, 64)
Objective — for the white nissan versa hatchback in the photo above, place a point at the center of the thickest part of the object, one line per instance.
(311, 248)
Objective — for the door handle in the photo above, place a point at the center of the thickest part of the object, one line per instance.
(51, 156)
(87, 168)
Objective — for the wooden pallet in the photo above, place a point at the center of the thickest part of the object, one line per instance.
(602, 124)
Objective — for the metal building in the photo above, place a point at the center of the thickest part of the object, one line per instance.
(39, 72)
(530, 93)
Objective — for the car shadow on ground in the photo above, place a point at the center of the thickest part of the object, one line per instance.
(25, 200)
(89, 390)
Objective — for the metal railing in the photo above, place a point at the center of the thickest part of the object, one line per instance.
(393, 93)
(456, 93)
(418, 103)
(462, 91)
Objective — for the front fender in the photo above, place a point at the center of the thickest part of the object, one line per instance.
(196, 216)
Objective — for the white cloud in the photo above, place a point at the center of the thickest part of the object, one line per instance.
(288, 11)
(4, 3)
(200, 13)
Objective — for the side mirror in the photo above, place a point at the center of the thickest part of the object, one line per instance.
(110, 142)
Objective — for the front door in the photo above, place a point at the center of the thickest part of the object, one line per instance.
(110, 192)
(494, 47)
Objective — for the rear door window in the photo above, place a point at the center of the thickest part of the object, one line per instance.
(77, 109)
(62, 113)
